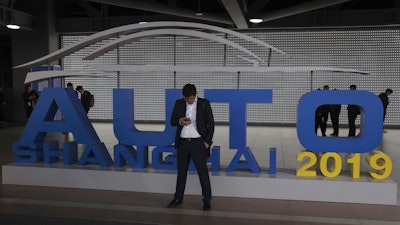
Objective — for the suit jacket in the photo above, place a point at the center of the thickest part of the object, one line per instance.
(85, 100)
(204, 119)
(385, 99)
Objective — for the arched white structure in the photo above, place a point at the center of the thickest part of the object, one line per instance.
(127, 29)
(161, 32)
(152, 29)
(172, 68)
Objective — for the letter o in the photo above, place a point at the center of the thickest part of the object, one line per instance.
(371, 121)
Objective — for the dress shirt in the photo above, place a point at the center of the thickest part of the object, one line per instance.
(190, 131)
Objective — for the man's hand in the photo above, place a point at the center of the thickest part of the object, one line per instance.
(184, 121)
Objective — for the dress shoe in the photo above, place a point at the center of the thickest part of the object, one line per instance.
(206, 206)
(174, 203)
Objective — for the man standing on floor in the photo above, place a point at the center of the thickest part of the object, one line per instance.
(385, 100)
(85, 98)
(70, 85)
(195, 129)
(321, 117)
(352, 112)
(334, 111)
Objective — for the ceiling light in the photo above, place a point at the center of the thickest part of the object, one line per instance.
(256, 20)
(198, 12)
(13, 26)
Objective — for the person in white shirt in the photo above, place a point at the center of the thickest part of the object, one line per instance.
(195, 129)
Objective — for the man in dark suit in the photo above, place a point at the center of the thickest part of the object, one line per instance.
(352, 112)
(85, 98)
(385, 100)
(195, 129)
(334, 111)
(321, 117)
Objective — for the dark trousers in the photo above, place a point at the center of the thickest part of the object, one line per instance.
(320, 121)
(352, 124)
(335, 123)
(28, 111)
(384, 113)
(195, 150)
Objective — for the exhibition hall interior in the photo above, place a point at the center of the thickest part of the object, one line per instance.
(295, 87)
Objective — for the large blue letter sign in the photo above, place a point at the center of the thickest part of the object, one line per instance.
(29, 148)
(238, 99)
(370, 127)
(126, 132)
(32, 148)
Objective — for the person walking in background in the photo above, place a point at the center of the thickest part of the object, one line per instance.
(30, 98)
(321, 116)
(352, 112)
(384, 96)
(85, 98)
(194, 119)
(70, 85)
(334, 111)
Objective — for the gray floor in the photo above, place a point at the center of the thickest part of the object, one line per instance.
(39, 205)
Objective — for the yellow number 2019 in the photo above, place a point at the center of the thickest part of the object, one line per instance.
(380, 164)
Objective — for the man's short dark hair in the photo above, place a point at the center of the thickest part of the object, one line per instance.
(353, 86)
(189, 90)
(389, 91)
(78, 88)
(69, 84)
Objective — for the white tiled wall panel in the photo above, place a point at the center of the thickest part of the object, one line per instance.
(376, 50)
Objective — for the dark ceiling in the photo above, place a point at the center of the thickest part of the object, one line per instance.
(225, 13)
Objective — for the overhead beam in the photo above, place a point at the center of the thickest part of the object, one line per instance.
(88, 8)
(159, 8)
(258, 5)
(236, 13)
(300, 8)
